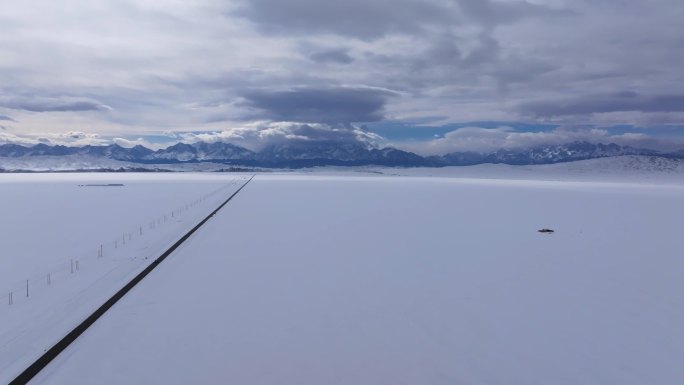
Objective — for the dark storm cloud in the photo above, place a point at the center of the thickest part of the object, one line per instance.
(357, 18)
(616, 102)
(52, 105)
(440, 56)
(373, 19)
(241, 79)
(493, 13)
(340, 56)
(323, 105)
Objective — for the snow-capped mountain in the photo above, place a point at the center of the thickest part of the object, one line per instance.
(547, 154)
(200, 152)
(350, 154)
(325, 154)
(288, 155)
(113, 151)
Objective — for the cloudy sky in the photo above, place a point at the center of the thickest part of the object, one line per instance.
(431, 76)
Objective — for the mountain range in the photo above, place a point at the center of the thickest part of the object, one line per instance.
(328, 154)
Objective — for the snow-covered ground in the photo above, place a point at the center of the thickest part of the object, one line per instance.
(53, 227)
(629, 168)
(361, 279)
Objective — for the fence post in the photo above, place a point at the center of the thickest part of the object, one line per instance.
(27, 293)
(72, 266)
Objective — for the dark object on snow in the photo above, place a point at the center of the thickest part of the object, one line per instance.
(546, 231)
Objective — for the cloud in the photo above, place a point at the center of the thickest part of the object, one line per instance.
(374, 19)
(260, 135)
(477, 139)
(129, 143)
(355, 18)
(75, 138)
(43, 104)
(257, 136)
(338, 55)
(465, 60)
(319, 105)
(603, 103)
(9, 138)
(72, 138)
(6, 118)
(492, 13)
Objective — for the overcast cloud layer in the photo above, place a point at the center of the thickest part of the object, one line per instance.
(216, 69)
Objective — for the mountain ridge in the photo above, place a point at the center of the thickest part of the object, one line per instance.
(300, 155)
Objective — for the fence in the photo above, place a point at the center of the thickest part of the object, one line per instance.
(115, 247)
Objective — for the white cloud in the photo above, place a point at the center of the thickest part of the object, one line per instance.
(477, 139)
(258, 135)
(72, 138)
(128, 143)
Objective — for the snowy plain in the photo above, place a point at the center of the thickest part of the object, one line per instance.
(54, 227)
(621, 169)
(351, 278)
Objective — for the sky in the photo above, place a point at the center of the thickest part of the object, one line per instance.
(430, 76)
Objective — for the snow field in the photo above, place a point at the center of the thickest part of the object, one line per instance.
(389, 280)
(51, 225)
